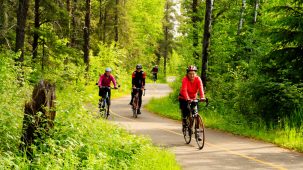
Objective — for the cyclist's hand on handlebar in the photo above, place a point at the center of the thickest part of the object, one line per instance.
(115, 87)
(202, 99)
(189, 100)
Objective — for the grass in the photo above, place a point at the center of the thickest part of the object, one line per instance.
(79, 140)
(226, 120)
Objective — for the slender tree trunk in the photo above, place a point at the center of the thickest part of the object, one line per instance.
(100, 20)
(166, 43)
(104, 24)
(206, 38)
(36, 32)
(194, 19)
(74, 23)
(68, 9)
(165, 50)
(20, 28)
(86, 35)
(3, 22)
(241, 21)
(257, 2)
(116, 21)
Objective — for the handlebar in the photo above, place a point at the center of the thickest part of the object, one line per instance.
(198, 100)
(140, 89)
(106, 87)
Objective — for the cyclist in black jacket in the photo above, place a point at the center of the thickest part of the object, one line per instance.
(138, 81)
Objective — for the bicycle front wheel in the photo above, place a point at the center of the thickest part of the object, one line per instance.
(199, 132)
(106, 111)
(187, 132)
(135, 106)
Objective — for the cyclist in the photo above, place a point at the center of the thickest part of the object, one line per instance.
(104, 81)
(191, 85)
(155, 71)
(138, 81)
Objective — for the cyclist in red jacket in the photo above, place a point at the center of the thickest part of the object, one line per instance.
(191, 85)
(104, 81)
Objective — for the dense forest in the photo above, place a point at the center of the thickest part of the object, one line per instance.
(249, 54)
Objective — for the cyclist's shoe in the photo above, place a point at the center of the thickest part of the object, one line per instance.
(131, 103)
(199, 138)
(139, 112)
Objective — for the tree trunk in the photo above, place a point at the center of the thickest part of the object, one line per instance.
(116, 21)
(166, 43)
(68, 9)
(36, 31)
(39, 115)
(241, 21)
(20, 28)
(3, 23)
(74, 24)
(104, 24)
(100, 20)
(194, 19)
(206, 38)
(86, 35)
(257, 2)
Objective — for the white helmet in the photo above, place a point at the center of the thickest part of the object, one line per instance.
(108, 69)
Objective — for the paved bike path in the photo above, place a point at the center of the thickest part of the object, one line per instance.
(222, 150)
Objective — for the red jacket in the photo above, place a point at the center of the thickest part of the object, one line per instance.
(105, 81)
(189, 90)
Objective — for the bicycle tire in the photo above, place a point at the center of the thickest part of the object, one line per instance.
(135, 107)
(199, 132)
(187, 132)
(101, 109)
(106, 110)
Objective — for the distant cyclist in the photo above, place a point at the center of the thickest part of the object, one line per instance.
(155, 71)
(191, 85)
(105, 81)
(138, 81)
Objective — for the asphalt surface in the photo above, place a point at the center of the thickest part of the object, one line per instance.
(222, 150)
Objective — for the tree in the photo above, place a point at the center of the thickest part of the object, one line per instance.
(20, 28)
(241, 20)
(86, 34)
(194, 20)
(256, 8)
(116, 21)
(206, 38)
(36, 31)
(168, 35)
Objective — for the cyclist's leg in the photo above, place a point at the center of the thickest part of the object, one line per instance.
(109, 94)
(132, 97)
(184, 110)
(156, 76)
(140, 101)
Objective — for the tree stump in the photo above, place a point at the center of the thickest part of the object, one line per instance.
(39, 115)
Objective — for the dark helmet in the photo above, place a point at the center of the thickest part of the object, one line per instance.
(139, 66)
(191, 68)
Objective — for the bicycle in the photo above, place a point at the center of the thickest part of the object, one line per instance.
(194, 124)
(103, 103)
(135, 104)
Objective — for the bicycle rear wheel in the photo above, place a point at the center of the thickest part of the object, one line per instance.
(187, 132)
(199, 132)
